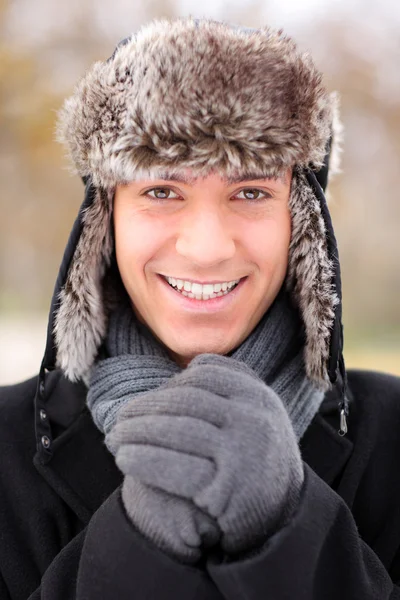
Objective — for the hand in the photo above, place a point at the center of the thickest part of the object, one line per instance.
(259, 471)
(175, 525)
(216, 435)
(157, 495)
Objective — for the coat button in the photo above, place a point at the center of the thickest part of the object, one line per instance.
(45, 442)
(41, 388)
(43, 414)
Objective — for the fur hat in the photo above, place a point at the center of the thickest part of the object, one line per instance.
(203, 95)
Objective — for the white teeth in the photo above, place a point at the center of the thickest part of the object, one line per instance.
(197, 289)
(208, 289)
(202, 291)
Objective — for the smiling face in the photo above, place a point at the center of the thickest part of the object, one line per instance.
(202, 259)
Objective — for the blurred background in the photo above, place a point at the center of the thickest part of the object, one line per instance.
(45, 46)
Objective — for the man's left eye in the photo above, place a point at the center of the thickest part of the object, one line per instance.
(252, 194)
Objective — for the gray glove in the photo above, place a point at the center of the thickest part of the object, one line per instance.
(175, 525)
(217, 436)
(163, 514)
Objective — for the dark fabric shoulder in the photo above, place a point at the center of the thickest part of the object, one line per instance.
(17, 411)
(374, 382)
(371, 484)
(35, 522)
(18, 391)
(376, 395)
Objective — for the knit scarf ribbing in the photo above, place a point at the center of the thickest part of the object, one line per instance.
(137, 363)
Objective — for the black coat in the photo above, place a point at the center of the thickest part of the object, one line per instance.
(64, 533)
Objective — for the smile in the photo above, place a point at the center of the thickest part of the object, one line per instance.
(198, 291)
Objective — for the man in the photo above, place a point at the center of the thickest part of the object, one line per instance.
(192, 432)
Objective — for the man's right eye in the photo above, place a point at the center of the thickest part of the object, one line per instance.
(161, 193)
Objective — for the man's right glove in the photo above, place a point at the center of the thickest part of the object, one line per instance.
(154, 498)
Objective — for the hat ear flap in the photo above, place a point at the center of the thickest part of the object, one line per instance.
(81, 320)
(310, 277)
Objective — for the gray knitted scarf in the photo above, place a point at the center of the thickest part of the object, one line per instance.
(136, 363)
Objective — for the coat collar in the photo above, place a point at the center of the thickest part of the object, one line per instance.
(81, 470)
(76, 464)
(322, 447)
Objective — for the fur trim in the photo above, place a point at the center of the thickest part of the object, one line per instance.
(310, 277)
(337, 137)
(200, 95)
(81, 320)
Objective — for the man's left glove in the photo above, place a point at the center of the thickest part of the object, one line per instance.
(217, 435)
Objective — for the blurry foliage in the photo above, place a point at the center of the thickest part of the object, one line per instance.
(366, 208)
(39, 198)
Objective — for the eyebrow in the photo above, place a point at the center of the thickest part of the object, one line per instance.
(181, 178)
(249, 177)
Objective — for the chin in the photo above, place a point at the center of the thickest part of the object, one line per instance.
(185, 352)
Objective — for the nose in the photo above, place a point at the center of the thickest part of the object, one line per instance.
(205, 238)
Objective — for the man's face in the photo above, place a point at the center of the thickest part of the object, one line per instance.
(202, 259)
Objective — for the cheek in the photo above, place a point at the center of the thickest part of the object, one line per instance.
(137, 240)
(269, 242)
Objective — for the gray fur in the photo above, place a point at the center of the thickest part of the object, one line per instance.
(205, 96)
(310, 277)
(199, 95)
(337, 137)
(81, 320)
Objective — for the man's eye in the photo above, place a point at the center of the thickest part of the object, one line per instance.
(252, 194)
(161, 193)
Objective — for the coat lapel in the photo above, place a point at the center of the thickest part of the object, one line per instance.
(322, 448)
(81, 470)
